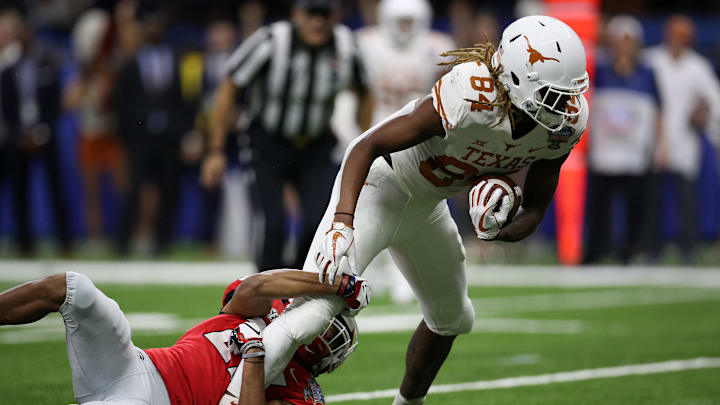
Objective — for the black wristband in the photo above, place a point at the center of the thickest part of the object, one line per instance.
(344, 213)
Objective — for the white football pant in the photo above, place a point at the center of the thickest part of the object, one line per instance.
(106, 366)
(424, 243)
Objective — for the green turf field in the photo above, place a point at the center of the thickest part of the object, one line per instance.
(520, 331)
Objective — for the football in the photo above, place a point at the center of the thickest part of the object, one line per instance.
(508, 187)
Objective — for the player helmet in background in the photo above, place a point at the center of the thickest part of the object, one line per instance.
(329, 350)
(90, 35)
(404, 20)
(544, 65)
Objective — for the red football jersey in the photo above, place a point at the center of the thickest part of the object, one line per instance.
(297, 387)
(198, 368)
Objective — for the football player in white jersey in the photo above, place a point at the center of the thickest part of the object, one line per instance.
(401, 56)
(494, 112)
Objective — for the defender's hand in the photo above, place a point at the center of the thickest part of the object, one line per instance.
(213, 169)
(339, 242)
(246, 336)
(356, 292)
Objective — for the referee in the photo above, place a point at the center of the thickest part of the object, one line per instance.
(290, 72)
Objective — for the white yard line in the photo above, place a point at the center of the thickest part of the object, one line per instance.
(204, 273)
(544, 379)
(568, 301)
(51, 328)
(408, 322)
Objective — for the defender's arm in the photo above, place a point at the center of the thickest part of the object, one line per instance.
(255, 295)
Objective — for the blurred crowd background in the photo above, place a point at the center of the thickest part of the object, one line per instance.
(82, 176)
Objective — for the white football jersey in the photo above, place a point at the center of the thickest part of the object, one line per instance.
(442, 167)
(398, 75)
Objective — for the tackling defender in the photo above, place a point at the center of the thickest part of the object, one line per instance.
(494, 112)
(108, 368)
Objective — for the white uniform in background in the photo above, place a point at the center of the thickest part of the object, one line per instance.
(402, 64)
(397, 73)
(684, 82)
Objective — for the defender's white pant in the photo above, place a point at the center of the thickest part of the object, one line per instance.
(424, 243)
(106, 366)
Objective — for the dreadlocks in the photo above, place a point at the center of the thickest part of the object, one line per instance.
(482, 53)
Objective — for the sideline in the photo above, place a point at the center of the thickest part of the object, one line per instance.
(544, 379)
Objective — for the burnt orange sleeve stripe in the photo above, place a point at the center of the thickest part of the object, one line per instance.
(436, 88)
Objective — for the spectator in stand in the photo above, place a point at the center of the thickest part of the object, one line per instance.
(462, 22)
(151, 121)
(626, 123)
(687, 87)
(90, 94)
(251, 15)
(292, 70)
(10, 51)
(202, 72)
(37, 86)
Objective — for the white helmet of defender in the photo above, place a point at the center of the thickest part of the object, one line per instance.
(544, 66)
(404, 20)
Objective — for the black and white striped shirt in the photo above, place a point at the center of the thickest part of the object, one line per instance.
(292, 87)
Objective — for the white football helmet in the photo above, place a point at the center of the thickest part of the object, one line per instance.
(544, 66)
(329, 350)
(404, 20)
(88, 34)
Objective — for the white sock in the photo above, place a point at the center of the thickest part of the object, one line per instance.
(401, 400)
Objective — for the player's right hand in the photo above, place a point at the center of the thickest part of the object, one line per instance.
(213, 169)
(356, 292)
(246, 336)
(339, 242)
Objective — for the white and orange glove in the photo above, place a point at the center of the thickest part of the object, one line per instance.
(488, 213)
(339, 242)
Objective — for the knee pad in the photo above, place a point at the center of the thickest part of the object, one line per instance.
(455, 323)
(306, 317)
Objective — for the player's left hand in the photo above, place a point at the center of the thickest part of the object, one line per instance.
(488, 218)
(339, 242)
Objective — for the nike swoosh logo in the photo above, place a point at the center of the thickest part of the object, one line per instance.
(335, 237)
(292, 374)
(531, 150)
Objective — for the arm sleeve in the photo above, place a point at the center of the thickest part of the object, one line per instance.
(710, 91)
(249, 57)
